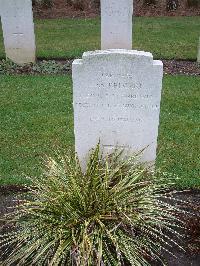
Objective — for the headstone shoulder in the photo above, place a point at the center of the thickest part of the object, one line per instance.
(111, 53)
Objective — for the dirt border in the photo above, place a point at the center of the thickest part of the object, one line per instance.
(62, 9)
(64, 66)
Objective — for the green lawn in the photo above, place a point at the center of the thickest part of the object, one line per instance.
(37, 117)
(166, 37)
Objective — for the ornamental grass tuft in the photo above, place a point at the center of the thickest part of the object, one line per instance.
(116, 212)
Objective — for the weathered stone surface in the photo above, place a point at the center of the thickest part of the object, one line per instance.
(18, 30)
(116, 24)
(198, 52)
(116, 98)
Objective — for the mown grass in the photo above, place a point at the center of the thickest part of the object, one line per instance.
(179, 134)
(36, 116)
(165, 37)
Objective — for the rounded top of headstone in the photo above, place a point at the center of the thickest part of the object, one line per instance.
(100, 56)
(133, 53)
(117, 56)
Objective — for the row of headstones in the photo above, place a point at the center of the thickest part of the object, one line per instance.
(18, 28)
(116, 93)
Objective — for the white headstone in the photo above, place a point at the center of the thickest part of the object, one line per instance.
(198, 52)
(116, 98)
(18, 30)
(116, 24)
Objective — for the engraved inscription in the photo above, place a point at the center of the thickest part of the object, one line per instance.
(123, 12)
(118, 105)
(18, 39)
(109, 95)
(117, 146)
(111, 74)
(120, 85)
(117, 119)
(18, 34)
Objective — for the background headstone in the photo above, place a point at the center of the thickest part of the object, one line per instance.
(117, 99)
(116, 24)
(18, 30)
(198, 52)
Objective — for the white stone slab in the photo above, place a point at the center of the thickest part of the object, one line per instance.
(18, 30)
(116, 24)
(198, 52)
(116, 98)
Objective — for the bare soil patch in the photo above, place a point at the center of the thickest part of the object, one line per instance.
(62, 9)
(181, 67)
(64, 66)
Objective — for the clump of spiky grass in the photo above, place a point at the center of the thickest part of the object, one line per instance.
(112, 213)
